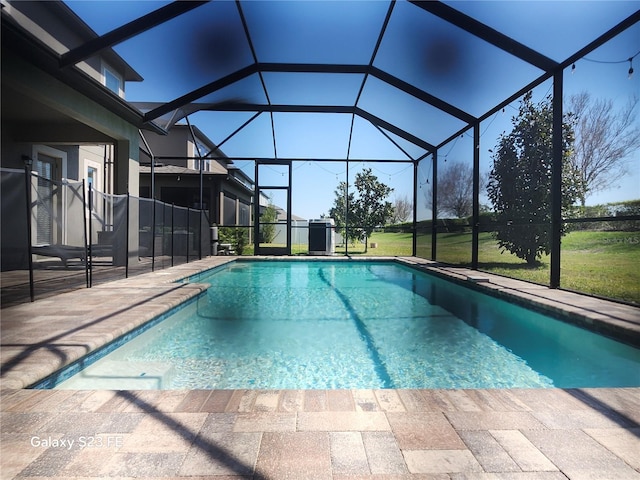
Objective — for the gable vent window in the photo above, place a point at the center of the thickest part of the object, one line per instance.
(113, 81)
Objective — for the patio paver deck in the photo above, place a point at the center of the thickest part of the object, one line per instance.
(140, 434)
(296, 434)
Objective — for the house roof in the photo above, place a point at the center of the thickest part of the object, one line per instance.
(281, 215)
(44, 32)
(75, 23)
(175, 170)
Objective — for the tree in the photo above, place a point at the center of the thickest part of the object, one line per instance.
(370, 207)
(455, 190)
(605, 138)
(402, 210)
(520, 182)
(339, 212)
(268, 219)
(238, 237)
(363, 213)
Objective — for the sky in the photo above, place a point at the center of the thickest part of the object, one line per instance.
(209, 43)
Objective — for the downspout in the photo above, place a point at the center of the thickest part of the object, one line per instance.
(200, 161)
(153, 164)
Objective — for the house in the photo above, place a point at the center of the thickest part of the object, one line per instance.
(186, 165)
(66, 120)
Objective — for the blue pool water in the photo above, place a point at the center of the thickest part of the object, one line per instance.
(328, 324)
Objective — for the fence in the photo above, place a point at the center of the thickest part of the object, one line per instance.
(64, 235)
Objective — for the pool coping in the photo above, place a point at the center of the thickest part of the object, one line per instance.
(98, 316)
(616, 320)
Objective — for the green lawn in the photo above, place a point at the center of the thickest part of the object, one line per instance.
(387, 244)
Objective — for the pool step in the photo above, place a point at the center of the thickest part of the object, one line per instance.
(477, 279)
(122, 375)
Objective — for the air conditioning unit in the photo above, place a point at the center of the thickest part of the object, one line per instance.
(322, 237)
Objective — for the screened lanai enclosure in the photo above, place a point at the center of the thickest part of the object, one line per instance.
(475, 114)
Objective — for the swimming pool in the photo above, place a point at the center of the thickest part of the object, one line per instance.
(355, 324)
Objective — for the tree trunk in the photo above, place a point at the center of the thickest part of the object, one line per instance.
(531, 260)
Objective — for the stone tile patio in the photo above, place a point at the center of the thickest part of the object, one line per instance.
(263, 435)
(291, 434)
